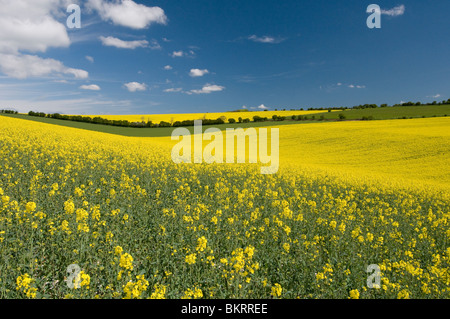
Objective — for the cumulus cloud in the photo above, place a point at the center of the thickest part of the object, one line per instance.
(33, 26)
(90, 59)
(168, 67)
(128, 13)
(198, 73)
(208, 88)
(22, 66)
(265, 39)
(173, 90)
(121, 44)
(92, 87)
(135, 86)
(395, 12)
(177, 54)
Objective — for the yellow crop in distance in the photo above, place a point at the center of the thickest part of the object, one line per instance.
(406, 152)
(170, 118)
(414, 151)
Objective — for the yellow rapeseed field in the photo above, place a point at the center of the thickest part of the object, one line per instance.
(139, 226)
(157, 118)
(410, 153)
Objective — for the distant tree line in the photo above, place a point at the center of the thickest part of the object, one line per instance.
(222, 120)
(368, 106)
(93, 120)
(204, 122)
(418, 103)
(8, 112)
(122, 123)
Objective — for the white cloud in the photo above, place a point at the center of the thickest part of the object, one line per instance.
(135, 86)
(128, 13)
(181, 53)
(31, 26)
(394, 12)
(208, 88)
(244, 107)
(22, 66)
(435, 96)
(77, 73)
(90, 59)
(198, 73)
(261, 107)
(353, 86)
(121, 44)
(173, 90)
(265, 39)
(177, 54)
(92, 87)
(168, 67)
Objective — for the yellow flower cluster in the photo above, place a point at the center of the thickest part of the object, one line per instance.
(195, 293)
(24, 284)
(126, 261)
(201, 244)
(190, 259)
(354, 294)
(134, 290)
(82, 280)
(276, 290)
(30, 207)
(159, 293)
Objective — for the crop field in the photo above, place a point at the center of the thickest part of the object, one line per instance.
(352, 114)
(347, 195)
(397, 112)
(412, 152)
(156, 118)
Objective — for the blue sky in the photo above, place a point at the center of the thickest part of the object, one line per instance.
(143, 57)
